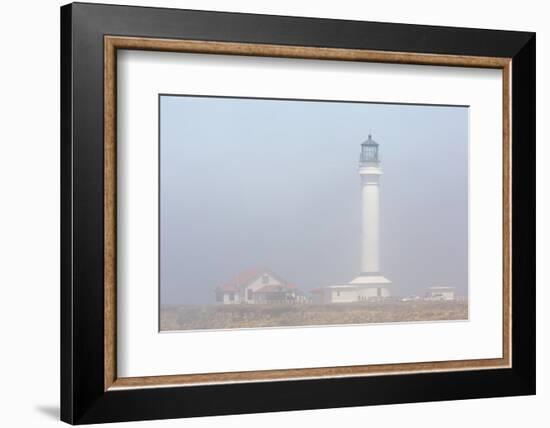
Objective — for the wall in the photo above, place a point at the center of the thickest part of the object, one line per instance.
(29, 226)
(258, 282)
(340, 295)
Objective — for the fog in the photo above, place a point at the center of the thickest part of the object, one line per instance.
(248, 183)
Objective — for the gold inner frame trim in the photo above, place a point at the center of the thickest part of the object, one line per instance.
(113, 43)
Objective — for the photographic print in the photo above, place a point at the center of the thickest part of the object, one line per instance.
(286, 213)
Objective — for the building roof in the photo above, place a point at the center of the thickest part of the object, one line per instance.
(248, 276)
(241, 279)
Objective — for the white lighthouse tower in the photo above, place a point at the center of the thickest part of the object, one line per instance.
(370, 284)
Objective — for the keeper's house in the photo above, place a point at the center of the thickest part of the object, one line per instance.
(258, 286)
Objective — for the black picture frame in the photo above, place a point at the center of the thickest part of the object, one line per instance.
(83, 398)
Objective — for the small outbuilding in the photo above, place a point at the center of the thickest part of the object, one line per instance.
(440, 293)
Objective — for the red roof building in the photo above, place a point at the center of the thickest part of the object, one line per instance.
(258, 286)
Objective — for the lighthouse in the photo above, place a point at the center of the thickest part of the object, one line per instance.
(370, 173)
(370, 284)
(370, 280)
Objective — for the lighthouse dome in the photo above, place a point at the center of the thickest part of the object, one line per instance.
(369, 142)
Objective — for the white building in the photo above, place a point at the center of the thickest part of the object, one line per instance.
(258, 286)
(440, 293)
(348, 293)
(370, 284)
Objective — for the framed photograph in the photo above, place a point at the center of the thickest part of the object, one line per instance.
(266, 213)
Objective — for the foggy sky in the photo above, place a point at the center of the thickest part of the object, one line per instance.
(247, 183)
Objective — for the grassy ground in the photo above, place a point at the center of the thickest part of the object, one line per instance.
(195, 317)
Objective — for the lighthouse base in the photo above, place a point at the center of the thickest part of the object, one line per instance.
(364, 288)
(372, 287)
